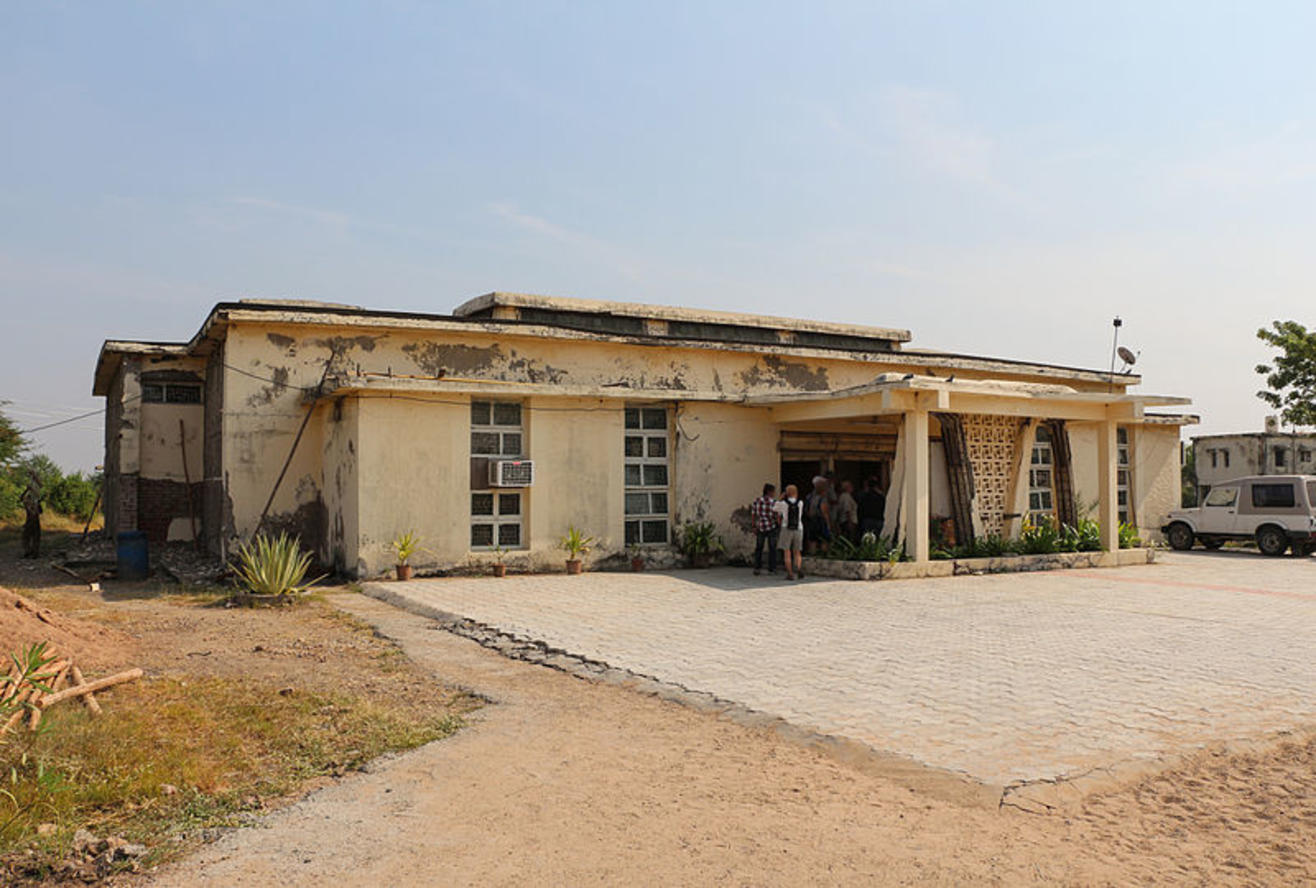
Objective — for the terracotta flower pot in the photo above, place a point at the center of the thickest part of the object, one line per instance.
(404, 571)
(575, 566)
(701, 559)
(637, 564)
(500, 570)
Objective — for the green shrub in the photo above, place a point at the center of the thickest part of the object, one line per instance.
(1042, 538)
(870, 547)
(1129, 538)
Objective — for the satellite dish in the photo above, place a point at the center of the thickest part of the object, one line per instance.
(1127, 356)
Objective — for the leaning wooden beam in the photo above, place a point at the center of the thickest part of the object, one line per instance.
(93, 706)
(90, 687)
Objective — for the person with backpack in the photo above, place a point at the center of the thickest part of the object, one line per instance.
(790, 539)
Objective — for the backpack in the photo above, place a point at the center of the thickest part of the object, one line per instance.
(792, 515)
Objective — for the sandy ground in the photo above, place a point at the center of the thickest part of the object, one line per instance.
(563, 781)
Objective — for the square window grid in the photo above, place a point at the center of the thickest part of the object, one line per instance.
(646, 476)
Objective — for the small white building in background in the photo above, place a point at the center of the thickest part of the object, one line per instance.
(1272, 452)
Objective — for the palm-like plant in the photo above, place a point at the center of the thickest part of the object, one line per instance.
(274, 566)
(575, 543)
(406, 545)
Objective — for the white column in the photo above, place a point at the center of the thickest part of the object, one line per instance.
(1107, 491)
(916, 484)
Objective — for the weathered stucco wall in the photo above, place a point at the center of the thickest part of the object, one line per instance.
(341, 484)
(412, 474)
(1156, 476)
(721, 458)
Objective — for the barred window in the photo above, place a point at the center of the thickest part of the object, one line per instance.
(648, 513)
(1041, 498)
(497, 517)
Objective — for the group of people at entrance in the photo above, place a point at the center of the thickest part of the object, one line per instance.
(794, 525)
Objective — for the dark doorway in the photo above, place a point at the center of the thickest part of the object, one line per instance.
(801, 472)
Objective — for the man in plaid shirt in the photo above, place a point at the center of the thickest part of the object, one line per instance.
(766, 525)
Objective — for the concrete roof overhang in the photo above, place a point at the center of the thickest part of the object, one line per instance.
(891, 394)
(113, 351)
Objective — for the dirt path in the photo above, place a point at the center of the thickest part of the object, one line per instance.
(563, 781)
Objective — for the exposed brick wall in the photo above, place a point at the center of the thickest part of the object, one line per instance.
(125, 504)
(212, 501)
(159, 502)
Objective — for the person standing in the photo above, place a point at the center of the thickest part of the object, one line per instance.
(32, 526)
(817, 516)
(872, 509)
(767, 523)
(790, 538)
(847, 512)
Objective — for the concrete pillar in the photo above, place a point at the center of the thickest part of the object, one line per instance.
(1107, 491)
(916, 484)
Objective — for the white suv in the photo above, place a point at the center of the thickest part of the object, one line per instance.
(1275, 510)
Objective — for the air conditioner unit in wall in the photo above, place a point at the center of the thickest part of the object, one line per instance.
(511, 472)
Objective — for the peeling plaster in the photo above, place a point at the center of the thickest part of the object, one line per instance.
(438, 359)
(268, 393)
(775, 372)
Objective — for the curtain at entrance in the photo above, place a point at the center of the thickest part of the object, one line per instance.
(1063, 469)
(959, 472)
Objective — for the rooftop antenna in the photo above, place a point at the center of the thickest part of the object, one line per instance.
(1114, 349)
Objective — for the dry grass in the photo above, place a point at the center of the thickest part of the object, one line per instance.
(172, 757)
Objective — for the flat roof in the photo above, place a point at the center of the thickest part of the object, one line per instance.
(481, 305)
(552, 317)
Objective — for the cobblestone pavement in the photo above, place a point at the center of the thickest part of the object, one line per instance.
(1005, 678)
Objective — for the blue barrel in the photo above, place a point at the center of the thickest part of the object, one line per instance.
(134, 561)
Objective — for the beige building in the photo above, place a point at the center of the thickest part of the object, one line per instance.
(1226, 457)
(517, 416)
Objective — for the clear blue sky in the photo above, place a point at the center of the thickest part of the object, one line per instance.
(998, 177)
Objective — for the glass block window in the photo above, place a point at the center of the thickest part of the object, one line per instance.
(496, 520)
(497, 517)
(1124, 469)
(648, 513)
(496, 429)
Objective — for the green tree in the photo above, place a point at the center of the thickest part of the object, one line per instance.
(1291, 376)
(1188, 478)
(11, 442)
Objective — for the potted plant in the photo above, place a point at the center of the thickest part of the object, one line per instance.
(405, 545)
(637, 558)
(699, 540)
(575, 544)
(499, 568)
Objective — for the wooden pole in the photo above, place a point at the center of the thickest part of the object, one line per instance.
(89, 698)
(99, 684)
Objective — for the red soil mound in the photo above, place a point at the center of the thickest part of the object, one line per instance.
(23, 622)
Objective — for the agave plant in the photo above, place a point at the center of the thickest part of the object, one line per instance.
(274, 566)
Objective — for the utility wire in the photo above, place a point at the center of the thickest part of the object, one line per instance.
(51, 425)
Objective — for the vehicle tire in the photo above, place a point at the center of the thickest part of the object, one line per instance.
(1180, 536)
(1271, 540)
(1213, 543)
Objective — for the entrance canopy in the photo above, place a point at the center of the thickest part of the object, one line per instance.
(912, 398)
(893, 394)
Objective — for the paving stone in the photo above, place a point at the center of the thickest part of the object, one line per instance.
(1008, 677)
